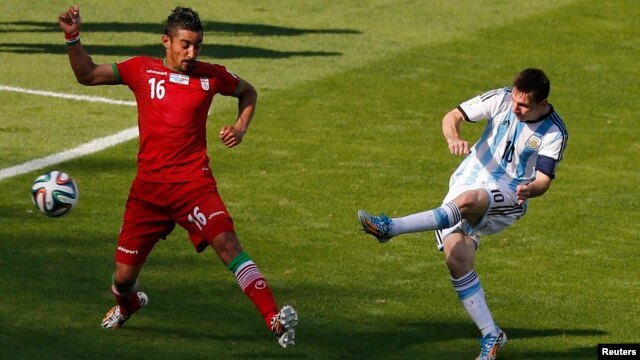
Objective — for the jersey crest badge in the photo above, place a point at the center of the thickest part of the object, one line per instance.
(204, 83)
(533, 142)
(179, 79)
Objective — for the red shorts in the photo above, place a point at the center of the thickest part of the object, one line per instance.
(153, 209)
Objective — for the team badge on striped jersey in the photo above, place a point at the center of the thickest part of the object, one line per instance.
(533, 142)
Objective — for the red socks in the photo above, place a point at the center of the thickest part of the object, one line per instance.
(254, 285)
(129, 303)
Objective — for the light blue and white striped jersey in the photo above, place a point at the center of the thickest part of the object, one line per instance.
(508, 151)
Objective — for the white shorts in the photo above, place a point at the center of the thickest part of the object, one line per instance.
(503, 211)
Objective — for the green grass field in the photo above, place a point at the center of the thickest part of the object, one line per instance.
(351, 98)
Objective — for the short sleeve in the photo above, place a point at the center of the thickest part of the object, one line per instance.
(227, 81)
(483, 106)
(128, 69)
(554, 144)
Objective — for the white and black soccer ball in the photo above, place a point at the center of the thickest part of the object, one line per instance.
(54, 193)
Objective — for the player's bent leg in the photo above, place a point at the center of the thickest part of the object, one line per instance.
(383, 228)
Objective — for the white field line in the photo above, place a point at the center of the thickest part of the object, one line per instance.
(84, 149)
(67, 96)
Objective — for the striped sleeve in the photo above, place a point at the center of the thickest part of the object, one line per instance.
(483, 106)
(555, 140)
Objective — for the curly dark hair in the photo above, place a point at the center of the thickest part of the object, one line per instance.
(182, 18)
(533, 81)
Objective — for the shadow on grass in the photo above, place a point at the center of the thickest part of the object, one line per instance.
(519, 333)
(396, 337)
(151, 334)
(196, 308)
(217, 51)
(210, 27)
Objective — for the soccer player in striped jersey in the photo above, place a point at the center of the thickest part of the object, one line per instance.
(515, 159)
(174, 184)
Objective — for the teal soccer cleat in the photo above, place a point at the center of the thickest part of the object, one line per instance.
(490, 344)
(378, 226)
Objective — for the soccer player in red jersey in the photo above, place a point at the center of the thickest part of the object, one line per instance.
(174, 184)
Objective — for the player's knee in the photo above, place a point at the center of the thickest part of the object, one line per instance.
(472, 204)
(471, 199)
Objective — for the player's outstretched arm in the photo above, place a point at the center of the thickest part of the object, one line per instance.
(85, 70)
(247, 99)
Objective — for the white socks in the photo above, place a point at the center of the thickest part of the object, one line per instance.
(470, 293)
(439, 218)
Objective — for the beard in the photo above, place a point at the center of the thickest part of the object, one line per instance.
(187, 65)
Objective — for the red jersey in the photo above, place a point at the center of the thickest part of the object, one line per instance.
(172, 115)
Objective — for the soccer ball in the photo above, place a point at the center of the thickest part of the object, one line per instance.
(54, 193)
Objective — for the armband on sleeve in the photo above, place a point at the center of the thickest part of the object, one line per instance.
(547, 166)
